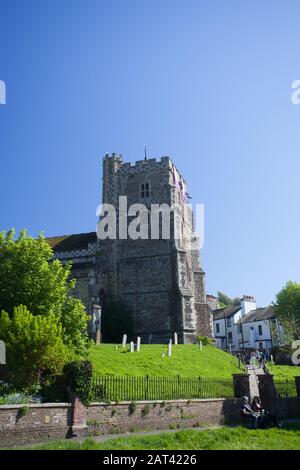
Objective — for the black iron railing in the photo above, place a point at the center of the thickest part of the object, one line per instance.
(128, 388)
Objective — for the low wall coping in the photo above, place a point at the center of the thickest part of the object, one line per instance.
(35, 405)
(182, 400)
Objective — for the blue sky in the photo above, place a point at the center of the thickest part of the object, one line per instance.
(206, 82)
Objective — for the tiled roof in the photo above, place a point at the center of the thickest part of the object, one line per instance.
(266, 313)
(78, 241)
(225, 312)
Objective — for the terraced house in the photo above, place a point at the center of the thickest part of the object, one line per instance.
(245, 327)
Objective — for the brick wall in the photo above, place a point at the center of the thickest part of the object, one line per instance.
(21, 424)
(288, 408)
(123, 417)
(56, 421)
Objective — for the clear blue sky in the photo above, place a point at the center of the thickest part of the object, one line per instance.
(206, 82)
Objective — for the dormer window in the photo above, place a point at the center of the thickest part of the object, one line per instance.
(145, 190)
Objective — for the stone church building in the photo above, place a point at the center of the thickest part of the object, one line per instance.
(160, 280)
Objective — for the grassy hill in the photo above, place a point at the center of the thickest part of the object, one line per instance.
(186, 360)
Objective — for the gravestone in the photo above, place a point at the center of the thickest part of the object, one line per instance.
(170, 348)
(175, 338)
(131, 346)
(124, 341)
(200, 345)
(230, 349)
(138, 343)
(2, 353)
(98, 337)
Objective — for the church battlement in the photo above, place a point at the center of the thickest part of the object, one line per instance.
(114, 164)
(127, 166)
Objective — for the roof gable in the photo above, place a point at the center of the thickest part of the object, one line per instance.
(226, 312)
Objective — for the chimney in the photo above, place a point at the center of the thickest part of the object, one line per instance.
(212, 301)
(248, 303)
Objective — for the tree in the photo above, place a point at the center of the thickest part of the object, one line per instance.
(236, 301)
(116, 321)
(287, 309)
(34, 344)
(224, 299)
(29, 276)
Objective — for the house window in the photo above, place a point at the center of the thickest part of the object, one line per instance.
(260, 331)
(230, 341)
(217, 327)
(229, 321)
(145, 190)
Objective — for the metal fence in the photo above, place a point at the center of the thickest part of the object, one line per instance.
(285, 387)
(128, 388)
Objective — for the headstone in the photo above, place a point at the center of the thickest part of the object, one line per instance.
(138, 343)
(170, 348)
(98, 337)
(2, 353)
(124, 341)
(271, 358)
(200, 345)
(131, 346)
(230, 349)
(175, 338)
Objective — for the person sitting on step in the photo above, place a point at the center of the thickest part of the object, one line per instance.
(248, 414)
(265, 418)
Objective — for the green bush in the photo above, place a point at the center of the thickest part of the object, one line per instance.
(79, 376)
(206, 341)
(145, 410)
(132, 408)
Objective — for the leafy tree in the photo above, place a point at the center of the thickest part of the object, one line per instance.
(29, 276)
(224, 299)
(236, 301)
(116, 320)
(35, 347)
(287, 309)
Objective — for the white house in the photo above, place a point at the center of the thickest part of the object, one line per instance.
(245, 327)
(226, 320)
(257, 330)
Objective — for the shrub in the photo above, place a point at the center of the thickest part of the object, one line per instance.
(35, 348)
(145, 410)
(132, 408)
(206, 341)
(79, 375)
